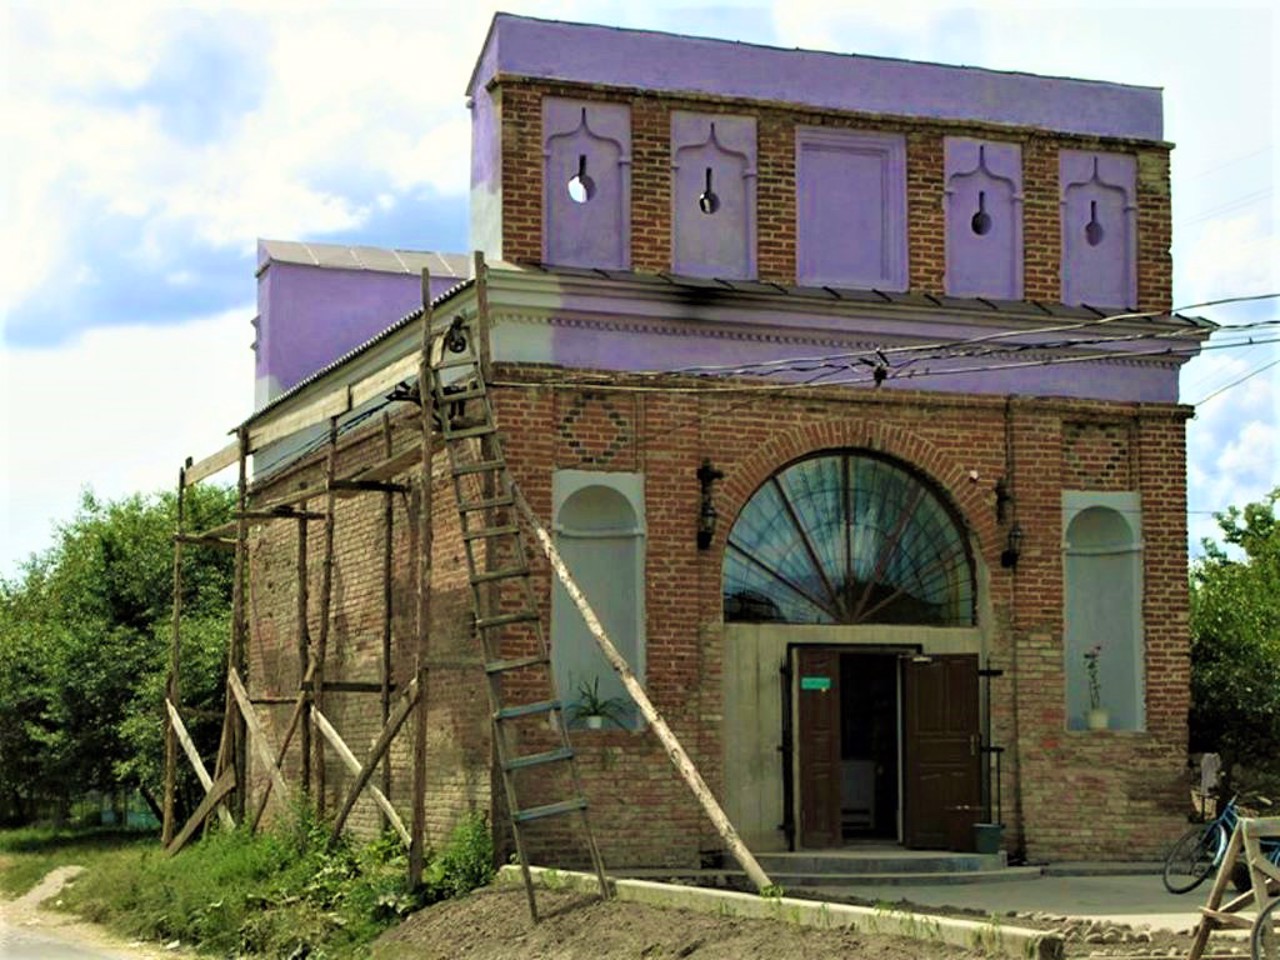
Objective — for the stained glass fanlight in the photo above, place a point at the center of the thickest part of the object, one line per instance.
(845, 538)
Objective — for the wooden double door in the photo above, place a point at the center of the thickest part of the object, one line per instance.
(883, 735)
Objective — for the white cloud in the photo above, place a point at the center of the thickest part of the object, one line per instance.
(117, 411)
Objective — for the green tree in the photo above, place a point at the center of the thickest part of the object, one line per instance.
(84, 639)
(1235, 640)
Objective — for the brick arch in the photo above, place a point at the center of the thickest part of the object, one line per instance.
(970, 501)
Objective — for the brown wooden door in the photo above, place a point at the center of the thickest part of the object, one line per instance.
(940, 697)
(818, 690)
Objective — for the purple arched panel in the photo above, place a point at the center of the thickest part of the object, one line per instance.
(713, 195)
(586, 210)
(851, 209)
(1099, 228)
(984, 218)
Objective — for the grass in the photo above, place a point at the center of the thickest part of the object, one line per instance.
(28, 853)
(282, 893)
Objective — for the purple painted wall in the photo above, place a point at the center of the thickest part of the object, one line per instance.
(984, 218)
(851, 209)
(586, 218)
(648, 60)
(486, 165)
(713, 195)
(309, 316)
(1099, 228)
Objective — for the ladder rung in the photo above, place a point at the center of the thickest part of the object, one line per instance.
(461, 360)
(483, 466)
(517, 663)
(506, 573)
(457, 396)
(527, 709)
(538, 759)
(487, 532)
(502, 619)
(550, 810)
(468, 432)
(469, 506)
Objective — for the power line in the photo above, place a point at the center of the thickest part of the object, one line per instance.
(1234, 383)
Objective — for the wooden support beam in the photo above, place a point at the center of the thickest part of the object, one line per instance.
(223, 543)
(675, 751)
(239, 623)
(352, 764)
(347, 686)
(172, 685)
(370, 766)
(417, 844)
(388, 613)
(304, 654)
(217, 792)
(369, 486)
(299, 707)
(326, 600)
(258, 734)
(193, 755)
(212, 464)
(280, 513)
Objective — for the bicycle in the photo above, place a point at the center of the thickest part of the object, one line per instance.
(1264, 940)
(1198, 853)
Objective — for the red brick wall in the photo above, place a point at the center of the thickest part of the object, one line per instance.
(1068, 794)
(521, 121)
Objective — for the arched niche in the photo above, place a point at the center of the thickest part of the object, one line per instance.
(713, 188)
(598, 525)
(1102, 574)
(1099, 228)
(984, 218)
(848, 537)
(586, 209)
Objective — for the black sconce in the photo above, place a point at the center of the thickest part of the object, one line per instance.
(707, 516)
(1013, 547)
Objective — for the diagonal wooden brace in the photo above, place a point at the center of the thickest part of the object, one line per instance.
(217, 792)
(298, 704)
(389, 730)
(256, 733)
(189, 748)
(352, 764)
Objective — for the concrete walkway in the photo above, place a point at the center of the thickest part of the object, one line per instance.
(1135, 900)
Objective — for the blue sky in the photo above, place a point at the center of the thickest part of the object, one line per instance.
(152, 144)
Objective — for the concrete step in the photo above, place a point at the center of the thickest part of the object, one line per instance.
(880, 861)
(790, 880)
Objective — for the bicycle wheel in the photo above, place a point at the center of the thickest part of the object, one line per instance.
(1193, 858)
(1264, 939)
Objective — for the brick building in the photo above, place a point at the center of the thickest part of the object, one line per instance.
(803, 358)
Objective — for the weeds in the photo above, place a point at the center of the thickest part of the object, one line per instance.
(283, 893)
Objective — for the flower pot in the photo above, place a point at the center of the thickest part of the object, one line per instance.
(594, 722)
(1099, 719)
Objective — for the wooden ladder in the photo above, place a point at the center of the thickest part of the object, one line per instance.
(502, 592)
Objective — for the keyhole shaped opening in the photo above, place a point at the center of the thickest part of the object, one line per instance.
(981, 221)
(581, 187)
(708, 202)
(1093, 232)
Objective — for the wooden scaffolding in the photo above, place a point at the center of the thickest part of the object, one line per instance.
(416, 379)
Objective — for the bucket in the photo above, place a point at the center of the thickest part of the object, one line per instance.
(987, 837)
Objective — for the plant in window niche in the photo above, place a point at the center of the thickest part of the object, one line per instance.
(1098, 718)
(593, 710)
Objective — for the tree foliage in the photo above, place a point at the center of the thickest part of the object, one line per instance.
(84, 638)
(1235, 646)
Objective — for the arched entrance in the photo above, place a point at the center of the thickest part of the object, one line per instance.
(853, 574)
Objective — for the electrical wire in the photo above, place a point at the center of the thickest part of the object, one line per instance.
(1235, 383)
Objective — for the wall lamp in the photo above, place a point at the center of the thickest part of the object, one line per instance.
(707, 516)
(1013, 547)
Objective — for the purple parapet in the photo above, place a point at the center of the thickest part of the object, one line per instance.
(851, 209)
(486, 165)
(586, 210)
(713, 161)
(984, 218)
(645, 60)
(1099, 228)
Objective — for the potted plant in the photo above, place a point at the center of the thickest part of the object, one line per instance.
(1098, 718)
(593, 710)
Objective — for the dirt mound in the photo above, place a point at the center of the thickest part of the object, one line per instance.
(493, 924)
